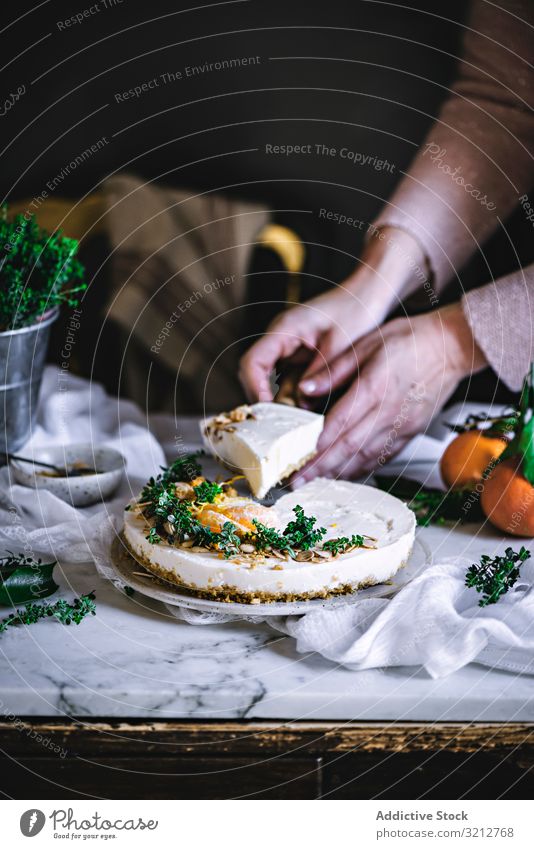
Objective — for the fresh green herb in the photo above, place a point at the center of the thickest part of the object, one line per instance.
(62, 611)
(495, 575)
(35, 267)
(301, 532)
(226, 540)
(173, 519)
(23, 578)
(182, 470)
(341, 544)
(207, 491)
(129, 590)
(150, 490)
(266, 538)
(432, 506)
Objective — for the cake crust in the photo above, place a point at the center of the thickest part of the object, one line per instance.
(231, 594)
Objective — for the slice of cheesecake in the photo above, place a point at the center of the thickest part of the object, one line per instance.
(266, 442)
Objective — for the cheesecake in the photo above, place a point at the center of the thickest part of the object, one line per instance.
(327, 538)
(266, 442)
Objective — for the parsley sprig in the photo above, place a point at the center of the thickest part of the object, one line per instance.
(265, 538)
(302, 532)
(207, 491)
(494, 576)
(341, 544)
(299, 534)
(61, 610)
(226, 540)
(183, 469)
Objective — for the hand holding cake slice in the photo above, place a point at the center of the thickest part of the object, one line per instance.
(266, 442)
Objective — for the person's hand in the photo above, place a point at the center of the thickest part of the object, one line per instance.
(404, 373)
(314, 334)
(307, 336)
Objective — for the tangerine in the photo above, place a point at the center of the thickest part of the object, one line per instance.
(467, 458)
(508, 499)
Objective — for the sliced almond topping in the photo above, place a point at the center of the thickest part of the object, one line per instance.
(304, 556)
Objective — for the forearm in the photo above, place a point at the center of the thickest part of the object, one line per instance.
(392, 266)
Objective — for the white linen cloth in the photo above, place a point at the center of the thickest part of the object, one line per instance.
(434, 621)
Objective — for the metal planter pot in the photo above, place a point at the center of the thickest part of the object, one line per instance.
(22, 357)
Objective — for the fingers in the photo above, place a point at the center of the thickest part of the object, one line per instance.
(336, 373)
(330, 346)
(348, 454)
(376, 455)
(373, 454)
(347, 427)
(355, 406)
(331, 376)
(256, 366)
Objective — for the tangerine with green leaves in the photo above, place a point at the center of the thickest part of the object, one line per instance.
(508, 496)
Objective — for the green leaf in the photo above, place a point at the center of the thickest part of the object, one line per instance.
(526, 447)
(522, 445)
(25, 579)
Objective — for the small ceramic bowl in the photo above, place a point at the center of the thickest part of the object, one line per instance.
(79, 491)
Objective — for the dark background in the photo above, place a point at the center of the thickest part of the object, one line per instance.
(383, 73)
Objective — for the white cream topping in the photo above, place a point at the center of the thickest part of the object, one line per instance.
(343, 508)
(268, 447)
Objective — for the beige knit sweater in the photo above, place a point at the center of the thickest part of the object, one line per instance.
(474, 168)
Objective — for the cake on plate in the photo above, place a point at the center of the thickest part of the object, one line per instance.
(266, 442)
(327, 538)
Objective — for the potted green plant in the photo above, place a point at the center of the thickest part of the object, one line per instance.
(38, 272)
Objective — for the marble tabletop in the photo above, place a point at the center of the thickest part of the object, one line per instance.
(134, 659)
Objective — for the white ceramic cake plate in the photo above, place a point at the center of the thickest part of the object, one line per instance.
(128, 569)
